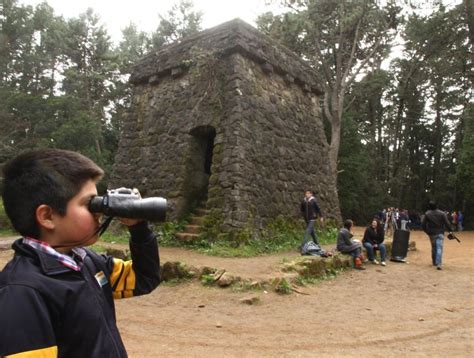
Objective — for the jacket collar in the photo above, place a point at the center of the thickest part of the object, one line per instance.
(48, 264)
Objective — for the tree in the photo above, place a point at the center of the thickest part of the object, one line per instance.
(340, 39)
(181, 21)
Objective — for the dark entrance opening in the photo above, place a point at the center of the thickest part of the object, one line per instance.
(198, 166)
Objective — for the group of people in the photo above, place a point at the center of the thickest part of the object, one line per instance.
(434, 223)
(394, 218)
(372, 241)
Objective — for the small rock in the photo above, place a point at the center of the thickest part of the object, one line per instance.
(202, 306)
(421, 319)
(249, 300)
(218, 325)
(225, 280)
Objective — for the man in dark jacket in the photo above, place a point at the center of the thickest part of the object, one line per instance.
(56, 296)
(434, 222)
(310, 211)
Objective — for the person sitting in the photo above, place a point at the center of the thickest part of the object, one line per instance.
(347, 245)
(373, 240)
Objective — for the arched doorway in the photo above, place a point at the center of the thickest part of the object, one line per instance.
(198, 166)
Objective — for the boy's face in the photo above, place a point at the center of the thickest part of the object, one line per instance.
(78, 227)
(308, 194)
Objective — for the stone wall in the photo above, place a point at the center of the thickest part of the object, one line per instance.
(254, 101)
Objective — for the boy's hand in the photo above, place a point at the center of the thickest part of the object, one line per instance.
(129, 222)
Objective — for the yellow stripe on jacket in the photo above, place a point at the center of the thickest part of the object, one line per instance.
(37, 353)
(123, 279)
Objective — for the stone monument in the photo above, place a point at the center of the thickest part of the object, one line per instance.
(230, 119)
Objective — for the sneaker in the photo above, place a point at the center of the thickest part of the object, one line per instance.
(375, 262)
(359, 267)
(383, 263)
(438, 267)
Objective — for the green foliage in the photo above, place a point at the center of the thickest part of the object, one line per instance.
(208, 279)
(282, 286)
(166, 232)
(278, 236)
(465, 174)
(6, 228)
(181, 21)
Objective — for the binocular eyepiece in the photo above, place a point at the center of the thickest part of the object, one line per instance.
(126, 203)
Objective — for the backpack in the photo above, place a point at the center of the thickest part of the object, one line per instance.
(312, 249)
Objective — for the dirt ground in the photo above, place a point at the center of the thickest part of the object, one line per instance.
(401, 309)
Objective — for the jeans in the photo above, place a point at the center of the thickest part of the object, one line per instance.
(437, 248)
(310, 231)
(371, 251)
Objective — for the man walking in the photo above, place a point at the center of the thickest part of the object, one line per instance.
(434, 222)
(310, 211)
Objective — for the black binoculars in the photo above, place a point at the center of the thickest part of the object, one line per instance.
(127, 203)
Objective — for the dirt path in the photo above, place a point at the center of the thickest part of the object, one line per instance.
(402, 309)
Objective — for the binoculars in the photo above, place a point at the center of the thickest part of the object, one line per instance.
(127, 203)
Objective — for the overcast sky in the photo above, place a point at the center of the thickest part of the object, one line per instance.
(117, 14)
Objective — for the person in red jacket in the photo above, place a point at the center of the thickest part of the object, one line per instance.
(56, 295)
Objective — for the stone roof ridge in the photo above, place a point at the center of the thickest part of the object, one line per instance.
(234, 36)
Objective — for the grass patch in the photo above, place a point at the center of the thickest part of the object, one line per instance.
(6, 228)
(8, 232)
(280, 235)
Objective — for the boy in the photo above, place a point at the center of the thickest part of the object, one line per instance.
(56, 296)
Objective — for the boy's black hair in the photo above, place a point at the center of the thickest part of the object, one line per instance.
(348, 223)
(432, 205)
(46, 176)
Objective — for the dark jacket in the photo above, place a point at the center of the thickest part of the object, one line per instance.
(373, 236)
(310, 209)
(56, 311)
(345, 243)
(435, 221)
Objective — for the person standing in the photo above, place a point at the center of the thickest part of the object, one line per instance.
(454, 219)
(310, 211)
(434, 223)
(388, 221)
(460, 221)
(373, 240)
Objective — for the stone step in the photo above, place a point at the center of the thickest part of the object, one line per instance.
(201, 212)
(192, 229)
(186, 237)
(196, 220)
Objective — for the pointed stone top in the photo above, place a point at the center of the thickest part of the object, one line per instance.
(235, 36)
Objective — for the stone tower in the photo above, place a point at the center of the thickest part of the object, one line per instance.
(230, 118)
